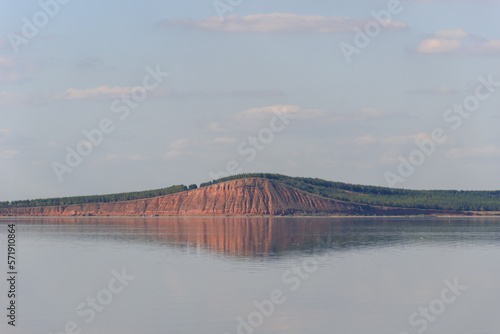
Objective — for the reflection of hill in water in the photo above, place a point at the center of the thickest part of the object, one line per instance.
(251, 237)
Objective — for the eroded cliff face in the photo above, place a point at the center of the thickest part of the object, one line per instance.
(244, 197)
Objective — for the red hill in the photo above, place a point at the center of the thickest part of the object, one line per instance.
(242, 197)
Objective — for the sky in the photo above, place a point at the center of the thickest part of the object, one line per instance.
(111, 96)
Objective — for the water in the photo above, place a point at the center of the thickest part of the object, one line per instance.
(307, 275)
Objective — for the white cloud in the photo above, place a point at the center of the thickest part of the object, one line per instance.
(458, 42)
(277, 23)
(278, 109)
(435, 45)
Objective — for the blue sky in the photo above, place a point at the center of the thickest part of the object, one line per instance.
(269, 70)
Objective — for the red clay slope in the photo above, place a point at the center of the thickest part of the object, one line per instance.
(243, 197)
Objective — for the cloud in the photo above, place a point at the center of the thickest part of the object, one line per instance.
(369, 113)
(7, 98)
(254, 119)
(223, 140)
(10, 143)
(435, 45)
(187, 147)
(392, 141)
(9, 153)
(458, 42)
(386, 141)
(90, 63)
(3, 44)
(234, 93)
(4, 135)
(172, 154)
(104, 93)
(277, 23)
(257, 115)
(361, 115)
(367, 151)
(4, 132)
(443, 90)
(214, 93)
(473, 152)
(278, 109)
(10, 98)
(123, 157)
(230, 129)
(7, 72)
(458, 33)
(364, 140)
(298, 112)
(97, 93)
(180, 144)
(93, 63)
(110, 93)
(215, 127)
(179, 147)
(4, 62)
(488, 47)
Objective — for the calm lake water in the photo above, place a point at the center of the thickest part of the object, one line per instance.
(254, 275)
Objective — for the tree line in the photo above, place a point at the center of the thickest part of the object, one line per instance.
(95, 198)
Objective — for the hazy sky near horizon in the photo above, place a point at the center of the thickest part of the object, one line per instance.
(273, 70)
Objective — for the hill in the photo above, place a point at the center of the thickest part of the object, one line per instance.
(240, 196)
